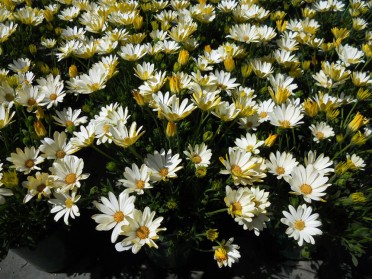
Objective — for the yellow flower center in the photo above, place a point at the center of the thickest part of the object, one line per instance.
(220, 254)
(285, 124)
(69, 203)
(306, 189)
(40, 188)
(53, 96)
(236, 208)
(280, 170)
(142, 232)
(257, 203)
(249, 148)
(69, 123)
(299, 225)
(236, 170)
(70, 178)
(196, 159)
(60, 154)
(263, 114)
(29, 163)
(94, 87)
(140, 184)
(118, 216)
(31, 102)
(106, 128)
(319, 135)
(163, 172)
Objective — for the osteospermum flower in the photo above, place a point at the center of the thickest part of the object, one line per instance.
(68, 172)
(286, 116)
(142, 229)
(302, 225)
(243, 167)
(281, 164)
(5, 115)
(163, 165)
(240, 205)
(308, 182)
(320, 163)
(199, 155)
(38, 185)
(27, 160)
(136, 179)
(356, 162)
(249, 143)
(123, 137)
(64, 205)
(226, 253)
(321, 131)
(116, 212)
(56, 148)
(69, 118)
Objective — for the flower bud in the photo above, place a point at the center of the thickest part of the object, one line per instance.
(270, 140)
(311, 108)
(358, 121)
(171, 129)
(138, 22)
(10, 179)
(340, 138)
(39, 129)
(175, 84)
(201, 172)
(358, 197)
(111, 166)
(48, 15)
(229, 63)
(207, 136)
(211, 234)
(32, 48)
(183, 57)
(138, 97)
(246, 70)
(72, 71)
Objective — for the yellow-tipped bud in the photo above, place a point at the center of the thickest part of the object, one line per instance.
(48, 15)
(55, 71)
(270, 140)
(32, 48)
(39, 129)
(311, 108)
(175, 84)
(58, 31)
(341, 168)
(201, 172)
(138, 97)
(367, 49)
(229, 64)
(246, 70)
(211, 234)
(358, 121)
(40, 113)
(363, 94)
(207, 48)
(359, 139)
(306, 65)
(10, 179)
(138, 22)
(332, 114)
(281, 25)
(171, 129)
(280, 96)
(72, 71)
(340, 138)
(183, 57)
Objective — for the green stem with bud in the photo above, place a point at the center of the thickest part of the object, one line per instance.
(216, 211)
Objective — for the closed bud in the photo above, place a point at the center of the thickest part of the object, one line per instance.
(171, 129)
(174, 84)
(207, 136)
(246, 70)
(10, 179)
(270, 140)
(39, 129)
(58, 31)
(154, 25)
(340, 138)
(311, 108)
(359, 139)
(111, 166)
(201, 172)
(176, 67)
(183, 57)
(281, 25)
(363, 94)
(32, 48)
(358, 197)
(138, 97)
(207, 48)
(55, 71)
(138, 22)
(229, 63)
(211, 234)
(72, 71)
(306, 65)
(40, 113)
(48, 15)
(358, 121)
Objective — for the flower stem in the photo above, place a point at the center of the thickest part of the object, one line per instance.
(103, 153)
(216, 211)
(341, 151)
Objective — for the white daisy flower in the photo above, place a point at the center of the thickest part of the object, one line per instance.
(27, 160)
(142, 229)
(249, 143)
(349, 55)
(286, 116)
(163, 165)
(52, 88)
(199, 155)
(308, 182)
(240, 205)
(243, 167)
(69, 118)
(226, 111)
(38, 185)
(281, 164)
(136, 179)
(226, 253)
(321, 131)
(320, 163)
(84, 137)
(302, 225)
(5, 115)
(56, 148)
(260, 199)
(64, 205)
(68, 172)
(249, 122)
(355, 161)
(115, 213)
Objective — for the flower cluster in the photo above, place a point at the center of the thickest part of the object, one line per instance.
(184, 109)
